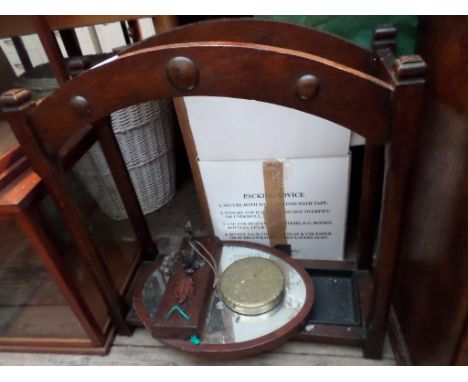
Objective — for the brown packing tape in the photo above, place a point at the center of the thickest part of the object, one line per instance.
(275, 211)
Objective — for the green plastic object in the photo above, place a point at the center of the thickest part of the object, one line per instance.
(195, 340)
(177, 308)
(359, 29)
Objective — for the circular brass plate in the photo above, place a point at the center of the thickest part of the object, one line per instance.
(252, 286)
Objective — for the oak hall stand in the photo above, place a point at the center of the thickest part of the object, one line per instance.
(374, 94)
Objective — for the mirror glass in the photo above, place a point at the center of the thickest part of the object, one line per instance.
(224, 326)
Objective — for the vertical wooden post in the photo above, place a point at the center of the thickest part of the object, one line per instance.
(22, 53)
(16, 105)
(135, 30)
(407, 114)
(373, 169)
(70, 42)
(164, 23)
(31, 224)
(124, 184)
(125, 33)
(51, 47)
(116, 163)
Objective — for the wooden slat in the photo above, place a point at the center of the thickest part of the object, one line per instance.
(51, 47)
(192, 154)
(23, 25)
(333, 334)
(10, 156)
(266, 32)
(329, 265)
(116, 163)
(22, 53)
(361, 106)
(13, 171)
(70, 42)
(20, 191)
(369, 211)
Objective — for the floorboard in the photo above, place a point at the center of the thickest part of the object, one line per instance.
(141, 349)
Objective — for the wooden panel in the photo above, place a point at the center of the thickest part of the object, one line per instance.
(462, 351)
(431, 299)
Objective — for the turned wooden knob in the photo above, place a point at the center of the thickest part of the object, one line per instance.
(182, 73)
(307, 86)
(80, 105)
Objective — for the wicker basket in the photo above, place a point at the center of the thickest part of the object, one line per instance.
(144, 134)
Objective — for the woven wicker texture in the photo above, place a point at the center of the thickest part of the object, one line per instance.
(144, 133)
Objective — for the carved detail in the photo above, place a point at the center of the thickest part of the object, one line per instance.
(78, 65)
(182, 73)
(184, 289)
(80, 105)
(384, 37)
(14, 97)
(409, 67)
(307, 86)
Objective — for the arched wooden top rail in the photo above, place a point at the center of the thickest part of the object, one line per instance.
(266, 32)
(270, 74)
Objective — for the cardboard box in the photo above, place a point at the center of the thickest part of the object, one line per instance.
(238, 129)
(247, 202)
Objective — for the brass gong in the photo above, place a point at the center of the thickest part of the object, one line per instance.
(252, 286)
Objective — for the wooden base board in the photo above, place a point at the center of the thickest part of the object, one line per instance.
(69, 348)
(333, 335)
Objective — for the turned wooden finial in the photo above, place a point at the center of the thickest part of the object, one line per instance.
(408, 67)
(14, 99)
(384, 37)
(78, 65)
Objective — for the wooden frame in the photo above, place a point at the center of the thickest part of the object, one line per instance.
(21, 191)
(384, 107)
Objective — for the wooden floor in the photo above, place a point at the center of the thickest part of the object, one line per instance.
(141, 349)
